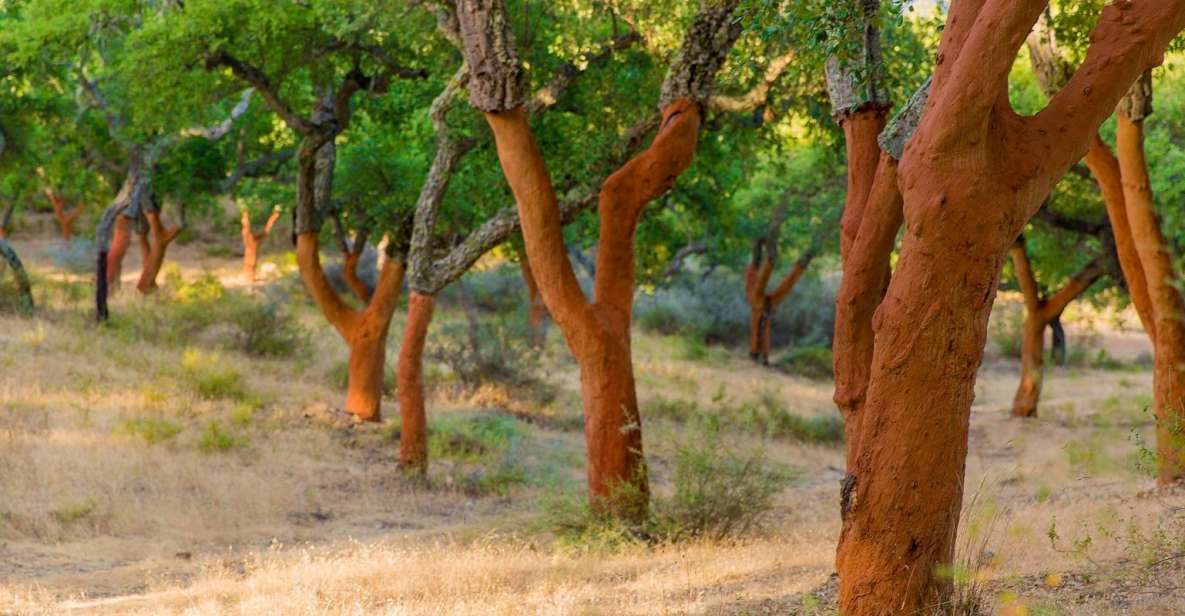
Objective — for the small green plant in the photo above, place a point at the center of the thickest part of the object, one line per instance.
(211, 379)
(243, 413)
(74, 510)
(216, 439)
(486, 447)
(152, 429)
(263, 329)
(1043, 493)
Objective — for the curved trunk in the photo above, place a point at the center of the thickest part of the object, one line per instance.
(23, 288)
(155, 257)
(65, 220)
(121, 240)
(413, 436)
(1168, 308)
(1032, 357)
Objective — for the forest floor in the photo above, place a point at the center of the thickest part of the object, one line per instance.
(148, 469)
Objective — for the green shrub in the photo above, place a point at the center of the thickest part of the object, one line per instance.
(714, 309)
(151, 429)
(72, 511)
(766, 417)
(215, 438)
(718, 493)
(486, 447)
(263, 328)
(495, 350)
(211, 379)
(812, 362)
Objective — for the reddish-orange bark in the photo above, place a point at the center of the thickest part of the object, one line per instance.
(1039, 314)
(154, 256)
(413, 437)
(598, 332)
(1168, 307)
(971, 176)
(252, 241)
(65, 219)
(121, 240)
(365, 331)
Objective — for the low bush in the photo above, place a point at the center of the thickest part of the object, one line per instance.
(495, 350)
(486, 448)
(765, 417)
(217, 439)
(715, 310)
(152, 429)
(211, 379)
(717, 493)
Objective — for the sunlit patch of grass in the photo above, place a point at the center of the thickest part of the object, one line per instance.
(152, 429)
(73, 510)
(211, 378)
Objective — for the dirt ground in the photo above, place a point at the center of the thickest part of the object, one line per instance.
(300, 514)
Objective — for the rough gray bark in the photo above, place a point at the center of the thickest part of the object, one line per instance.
(857, 82)
(498, 82)
(1050, 66)
(900, 129)
(705, 48)
(24, 299)
(1136, 105)
(449, 152)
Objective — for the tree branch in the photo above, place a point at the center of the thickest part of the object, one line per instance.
(260, 81)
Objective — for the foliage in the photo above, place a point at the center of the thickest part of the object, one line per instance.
(217, 439)
(152, 429)
(765, 417)
(211, 379)
(487, 448)
(812, 362)
(719, 492)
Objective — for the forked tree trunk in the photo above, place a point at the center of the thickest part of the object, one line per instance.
(971, 176)
(763, 304)
(597, 332)
(1040, 313)
(413, 436)
(157, 246)
(252, 242)
(365, 331)
(64, 219)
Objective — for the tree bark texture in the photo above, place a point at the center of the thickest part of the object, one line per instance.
(970, 178)
(24, 290)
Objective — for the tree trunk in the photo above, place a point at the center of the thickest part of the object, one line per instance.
(1032, 358)
(64, 219)
(23, 289)
(120, 242)
(413, 436)
(1168, 308)
(6, 220)
(155, 258)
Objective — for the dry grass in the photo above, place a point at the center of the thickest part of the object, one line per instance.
(301, 516)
